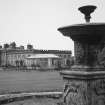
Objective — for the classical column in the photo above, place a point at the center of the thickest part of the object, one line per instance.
(49, 62)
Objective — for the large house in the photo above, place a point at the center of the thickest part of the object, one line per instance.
(15, 57)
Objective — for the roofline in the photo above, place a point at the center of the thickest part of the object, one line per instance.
(37, 51)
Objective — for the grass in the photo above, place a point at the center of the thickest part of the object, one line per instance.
(32, 81)
(35, 101)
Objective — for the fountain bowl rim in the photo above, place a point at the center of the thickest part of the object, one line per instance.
(83, 25)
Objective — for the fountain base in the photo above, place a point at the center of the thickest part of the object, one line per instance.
(84, 87)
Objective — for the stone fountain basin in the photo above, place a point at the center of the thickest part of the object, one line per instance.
(86, 33)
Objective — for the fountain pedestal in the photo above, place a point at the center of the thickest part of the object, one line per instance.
(85, 82)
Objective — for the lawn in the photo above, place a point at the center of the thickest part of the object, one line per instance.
(31, 81)
(36, 101)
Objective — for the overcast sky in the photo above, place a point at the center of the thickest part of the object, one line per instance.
(36, 21)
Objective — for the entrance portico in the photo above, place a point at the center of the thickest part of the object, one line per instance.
(43, 60)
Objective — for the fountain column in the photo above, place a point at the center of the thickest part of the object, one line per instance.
(85, 81)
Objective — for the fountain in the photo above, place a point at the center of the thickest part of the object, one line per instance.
(85, 81)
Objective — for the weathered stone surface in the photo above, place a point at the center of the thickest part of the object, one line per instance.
(85, 82)
(84, 92)
(88, 42)
(87, 54)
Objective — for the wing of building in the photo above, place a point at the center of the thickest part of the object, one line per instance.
(34, 58)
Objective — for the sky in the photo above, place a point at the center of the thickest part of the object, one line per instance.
(36, 21)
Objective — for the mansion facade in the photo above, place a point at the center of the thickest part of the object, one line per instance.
(18, 58)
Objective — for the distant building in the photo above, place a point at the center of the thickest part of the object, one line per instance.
(42, 61)
(19, 57)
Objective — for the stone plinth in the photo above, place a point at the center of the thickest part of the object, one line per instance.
(84, 88)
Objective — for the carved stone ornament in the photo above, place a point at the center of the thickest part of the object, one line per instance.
(84, 92)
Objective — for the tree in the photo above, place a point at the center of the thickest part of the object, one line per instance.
(29, 47)
(22, 47)
(0, 46)
(6, 45)
(13, 45)
(17, 63)
(59, 65)
(21, 63)
(68, 63)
